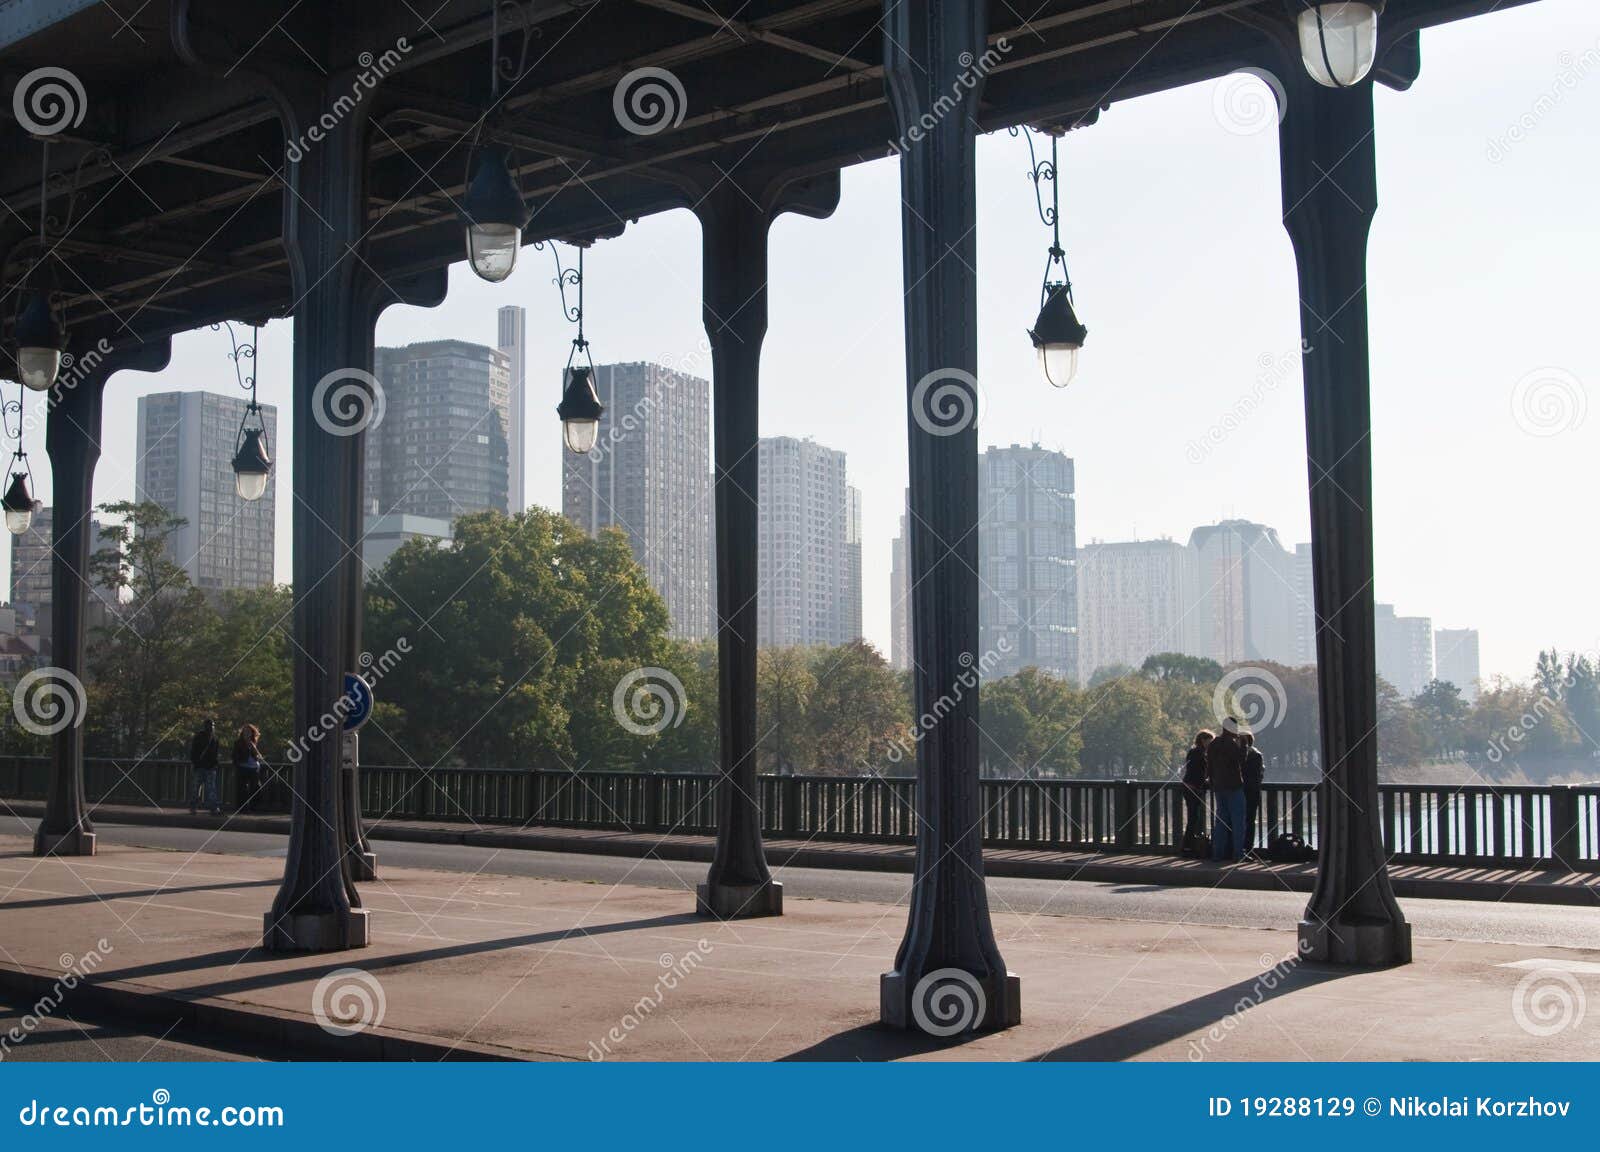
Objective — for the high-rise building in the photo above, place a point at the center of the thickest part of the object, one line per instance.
(1404, 647)
(383, 536)
(1027, 555)
(1304, 606)
(900, 596)
(1245, 605)
(441, 448)
(1455, 658)
(185, 452)
(513, 343)
(30, 568)
(852, 560)
(1132, 597)
(649, 474)
(805, 568)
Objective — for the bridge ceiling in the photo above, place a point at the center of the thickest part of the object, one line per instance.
(166, 199)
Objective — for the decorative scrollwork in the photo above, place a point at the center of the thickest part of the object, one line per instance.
(1041, 171)
(13, 408)
(508, 13)
(242, 351)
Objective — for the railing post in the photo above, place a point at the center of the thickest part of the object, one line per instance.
(791, 805)
(1124, 799)
(654, 784)
(1564, 826)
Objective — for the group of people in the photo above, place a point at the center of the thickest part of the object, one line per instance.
(204, 782)
(1230, 766)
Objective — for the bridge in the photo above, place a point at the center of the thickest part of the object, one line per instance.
(328, 161)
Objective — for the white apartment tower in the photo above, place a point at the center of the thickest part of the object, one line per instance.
(649, 474)
(1027, 556)
(512, 342)
(185, 451)
(806, 594)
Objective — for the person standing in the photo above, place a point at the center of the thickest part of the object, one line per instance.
(247, 764)
(1225, 778)
(203, 765)
(1254, 772)
(1194, 792)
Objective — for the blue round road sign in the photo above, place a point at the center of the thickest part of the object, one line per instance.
(359, 693)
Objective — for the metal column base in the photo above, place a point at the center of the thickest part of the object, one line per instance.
(363, 865)
(316, 932)
(944, 1003)
(738, 901)
(1357, 945)
(75, 842)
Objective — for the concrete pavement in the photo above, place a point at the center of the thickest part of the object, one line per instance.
(512, 965)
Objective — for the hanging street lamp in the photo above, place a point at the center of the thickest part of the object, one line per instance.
(1338, 41)
(252, 463)
(495, 215)
(580, 408)
(38, 333)
(492, 208)
(39, 338)
(1056, 334)
(18, 501)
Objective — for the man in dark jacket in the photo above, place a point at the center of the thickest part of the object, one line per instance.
(1255, 771)
(203, 763)
(1225, 778)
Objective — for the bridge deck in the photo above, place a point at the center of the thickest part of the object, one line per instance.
(554, 969)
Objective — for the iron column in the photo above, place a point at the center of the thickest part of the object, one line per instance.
(948, 976)
(1329, 197)
(72, 441)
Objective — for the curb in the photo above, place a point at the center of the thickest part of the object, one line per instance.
(120, 1002)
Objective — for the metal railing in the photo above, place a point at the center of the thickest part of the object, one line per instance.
(1471, 824)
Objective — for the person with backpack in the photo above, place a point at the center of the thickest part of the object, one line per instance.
(203, 768)
(1255, 771)
(1193, 783)
(1225, 778)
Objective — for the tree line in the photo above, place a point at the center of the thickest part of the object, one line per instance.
(524, 642)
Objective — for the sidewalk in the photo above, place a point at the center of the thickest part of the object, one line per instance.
(485, 965)
(1419, 881)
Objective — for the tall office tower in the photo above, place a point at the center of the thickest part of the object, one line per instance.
(30, 568)
(1131, 601)
(1455, 658)
(441, 449)
(852, 560)
(1245, 600)
(805, 570)
(185, 445)
(1404, 649)
(1304, 606)
(650, 475)
(900, 596)
(1027, 556)
(513, 342)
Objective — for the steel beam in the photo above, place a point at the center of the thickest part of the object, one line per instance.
(1330, 192)
(948, 976)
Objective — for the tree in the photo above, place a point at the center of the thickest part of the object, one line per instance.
(1176, 666)
(510, 640)
(1440, 710)
(856, 709)
(1400, 736)
(1583, 699)
(148, 665)
(1031, 725)
(784, 684)
(1108, 672)
(1125, 732)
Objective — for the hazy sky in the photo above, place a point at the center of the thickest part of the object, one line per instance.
(1482, 297)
